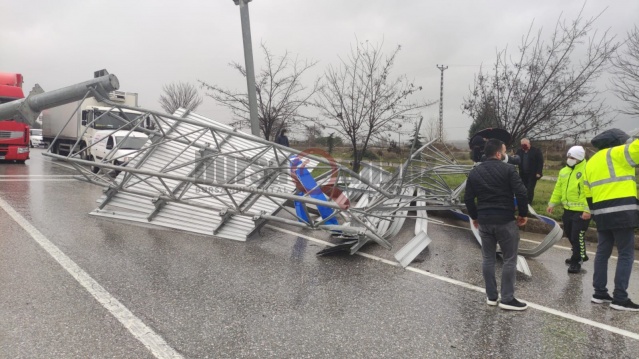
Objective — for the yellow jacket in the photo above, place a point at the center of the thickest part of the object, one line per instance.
(611, 187)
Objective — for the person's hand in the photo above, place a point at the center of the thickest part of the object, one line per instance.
(521, 221)
(538, 175)
(476, 223)
(549, 209)
(585, 216)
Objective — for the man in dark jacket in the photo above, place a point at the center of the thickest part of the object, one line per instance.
(282, 139)
(531, 166)
(494, 183)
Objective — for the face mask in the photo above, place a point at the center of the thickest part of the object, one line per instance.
(525, 147)
(571, 162)
(504, 157)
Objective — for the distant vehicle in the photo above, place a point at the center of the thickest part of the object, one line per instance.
(36, 138)
(14, 136)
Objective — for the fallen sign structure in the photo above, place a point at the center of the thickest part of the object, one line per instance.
(198, 175)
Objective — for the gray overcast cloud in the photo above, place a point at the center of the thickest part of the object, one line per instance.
(149, 43)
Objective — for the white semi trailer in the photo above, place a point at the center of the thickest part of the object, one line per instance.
(64, 125)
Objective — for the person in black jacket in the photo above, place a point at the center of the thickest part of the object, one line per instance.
(531, 166)
(494, 183)
(282, 139)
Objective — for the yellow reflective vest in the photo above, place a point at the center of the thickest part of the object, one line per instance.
(569, 190)
(611, 186)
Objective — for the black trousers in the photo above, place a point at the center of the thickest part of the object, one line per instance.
(575, 229)
(530, 181)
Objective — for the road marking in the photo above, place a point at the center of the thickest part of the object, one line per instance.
(152, 341)
(530, 241)
(459, 283)
(37, 180)
(10, 176)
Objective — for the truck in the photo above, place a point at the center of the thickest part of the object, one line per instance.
(14, 136)
(74, 125)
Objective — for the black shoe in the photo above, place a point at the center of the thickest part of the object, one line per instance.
(627, 305)
(584, 258)
(569, 260)
(574, 268)
(514, 304)
(598, 298)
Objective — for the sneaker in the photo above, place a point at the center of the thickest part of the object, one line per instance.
(514, 304)
(574, 268)
(569, 260)
(627, 305)
(598, 298)
(492, 302)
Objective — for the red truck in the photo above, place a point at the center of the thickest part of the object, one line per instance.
(14, 136)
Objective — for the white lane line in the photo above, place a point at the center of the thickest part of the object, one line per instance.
(37, 180)
(152, 341)
(530, 241)
(459, 283)
(11, 176)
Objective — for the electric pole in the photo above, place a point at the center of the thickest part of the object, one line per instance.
(441, 104)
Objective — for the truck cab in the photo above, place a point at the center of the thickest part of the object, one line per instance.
(115, 147)
(14, 136)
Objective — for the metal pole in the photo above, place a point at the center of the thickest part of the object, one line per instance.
(26, 110)
(248, 61)
(441, 104)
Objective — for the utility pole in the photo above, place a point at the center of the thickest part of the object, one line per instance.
(248, 62)
(441, 104)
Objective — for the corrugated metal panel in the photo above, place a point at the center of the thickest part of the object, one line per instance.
(229, 166)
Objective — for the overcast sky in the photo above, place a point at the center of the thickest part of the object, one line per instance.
(149, 43)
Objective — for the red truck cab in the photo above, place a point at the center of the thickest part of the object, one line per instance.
(14, 136)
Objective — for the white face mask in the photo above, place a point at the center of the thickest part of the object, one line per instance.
(571, 162)
(504, 157)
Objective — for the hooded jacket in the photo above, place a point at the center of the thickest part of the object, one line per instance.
(610, 181)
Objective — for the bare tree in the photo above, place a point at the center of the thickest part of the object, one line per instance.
(430, 129)
(280, 94)
(313, 132)
(542, 93)
(626, 70)
(178, 95)
(363, 100)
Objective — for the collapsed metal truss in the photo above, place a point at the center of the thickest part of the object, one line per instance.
(198, 175)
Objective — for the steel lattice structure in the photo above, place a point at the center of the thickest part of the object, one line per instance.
(199, 175)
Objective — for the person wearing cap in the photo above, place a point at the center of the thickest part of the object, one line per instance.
(569, 192)
(611, 192)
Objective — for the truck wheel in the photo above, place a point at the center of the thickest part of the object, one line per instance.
(30, 144)
(94, 169)
(84, 153)
(20, 161)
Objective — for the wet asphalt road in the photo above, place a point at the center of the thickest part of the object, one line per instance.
(271, 296)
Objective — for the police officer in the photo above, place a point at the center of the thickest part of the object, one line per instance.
(611, 191)
(570, 194)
